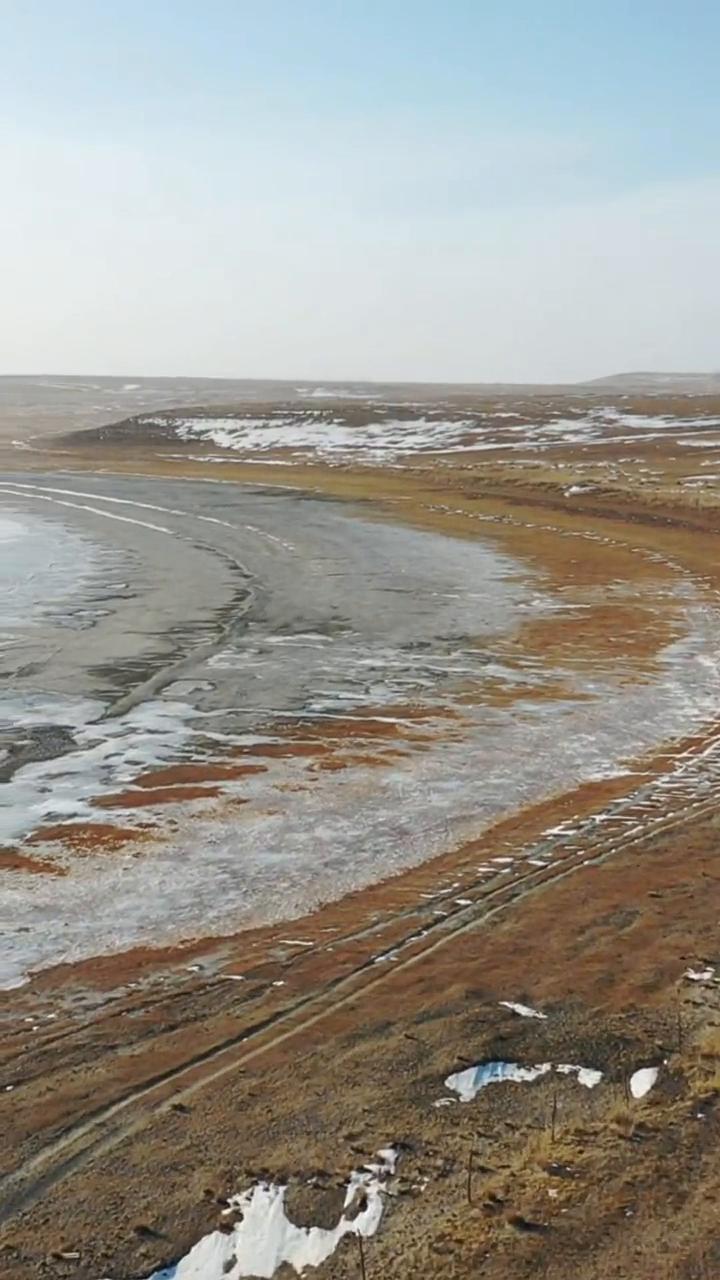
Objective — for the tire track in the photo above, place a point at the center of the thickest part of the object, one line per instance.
(100, 1131)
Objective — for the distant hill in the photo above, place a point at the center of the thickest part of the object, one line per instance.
(649, 381)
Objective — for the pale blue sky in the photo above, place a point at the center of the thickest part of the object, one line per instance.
(393, 190)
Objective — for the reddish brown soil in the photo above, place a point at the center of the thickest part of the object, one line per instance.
(283, 750)
(359, 761)
(90, 837)
(137, 799)
(200, 772)
(356, 727)
(12, 860)
(602, 634)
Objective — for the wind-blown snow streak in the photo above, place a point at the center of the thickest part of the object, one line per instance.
(327, 433)
(522, 1010)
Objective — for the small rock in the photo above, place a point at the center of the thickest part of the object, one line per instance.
(526, 1225)
(144, 1232)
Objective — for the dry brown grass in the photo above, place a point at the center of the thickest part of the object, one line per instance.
(621, 1118)
(700, 1062)
(538, 1149)
(707, 1043)
(711, 1081)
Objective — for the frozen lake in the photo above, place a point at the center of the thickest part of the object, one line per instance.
(202, 622)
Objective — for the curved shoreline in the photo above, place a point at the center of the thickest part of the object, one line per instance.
(468, 690)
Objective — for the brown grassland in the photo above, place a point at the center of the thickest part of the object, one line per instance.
(141, 1089)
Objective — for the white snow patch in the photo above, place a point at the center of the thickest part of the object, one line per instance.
(467, 1084)
(642, 1081)
(588, 1076)
(265, 1238)
(523, 1010)
(304, 431)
